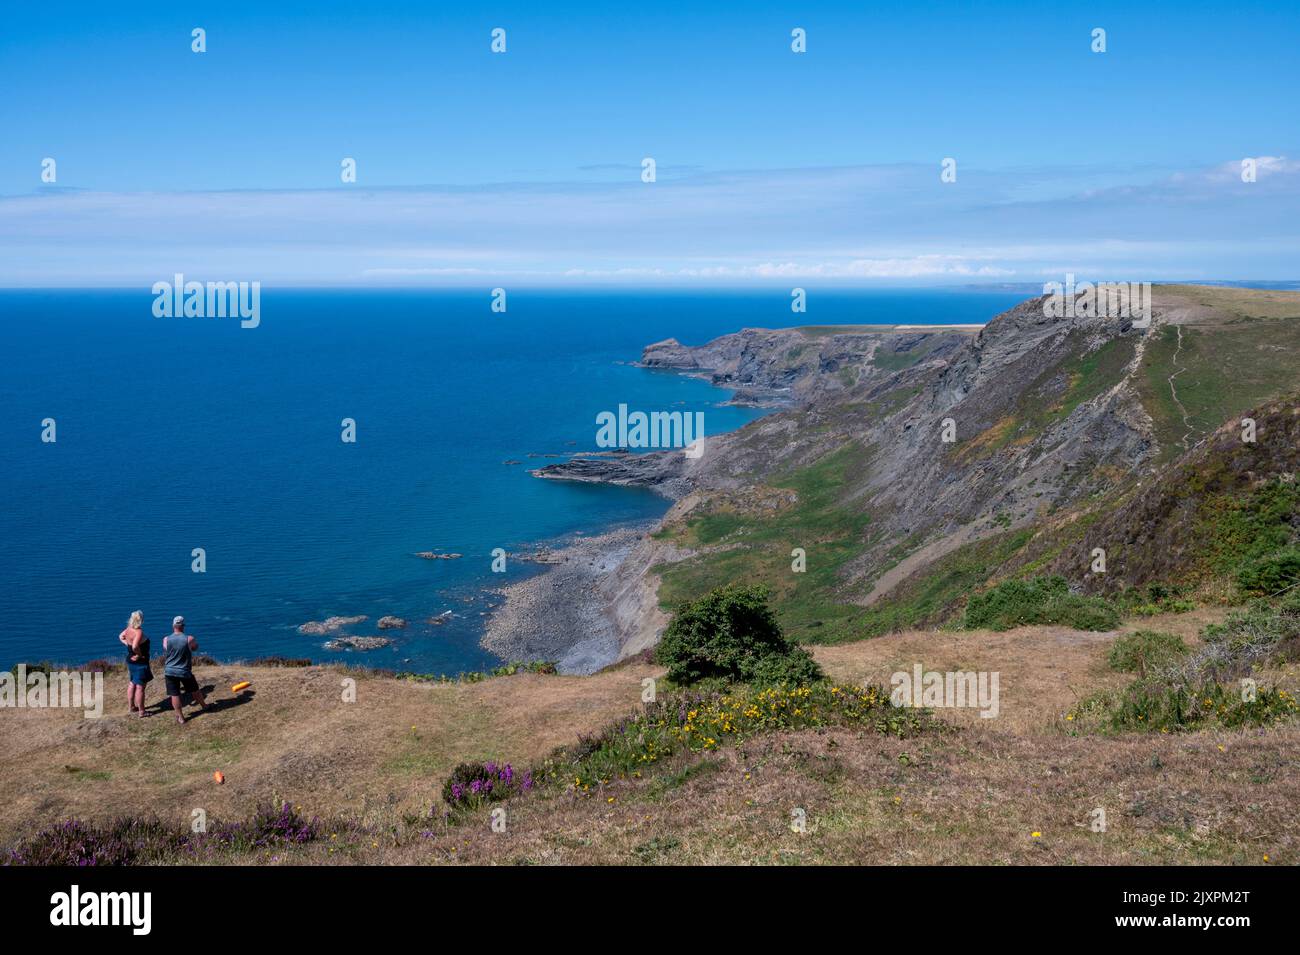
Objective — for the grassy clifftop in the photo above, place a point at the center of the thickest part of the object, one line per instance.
(1230, 350)
(361, 782)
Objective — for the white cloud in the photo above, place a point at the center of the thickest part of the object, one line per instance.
(877, 223)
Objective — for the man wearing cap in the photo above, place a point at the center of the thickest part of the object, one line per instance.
(178, 652)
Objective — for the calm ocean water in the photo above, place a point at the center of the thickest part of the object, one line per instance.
(174, 434)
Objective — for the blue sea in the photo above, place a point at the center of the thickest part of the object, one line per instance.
(181, 433)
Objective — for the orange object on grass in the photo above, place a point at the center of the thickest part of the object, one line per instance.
(241, 686)
(219, 776)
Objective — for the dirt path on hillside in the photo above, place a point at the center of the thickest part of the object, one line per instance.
(921, 558)
(1173, 389)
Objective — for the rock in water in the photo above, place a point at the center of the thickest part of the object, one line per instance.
(358, 643)
(329, 625)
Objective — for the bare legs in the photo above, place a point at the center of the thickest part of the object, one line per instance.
(135, 698)
(176, 704)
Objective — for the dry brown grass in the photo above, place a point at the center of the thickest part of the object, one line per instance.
(1043, 671)
(972, 793)
(990, 437)
(1212, 302)
(294, 738)
(975, 797)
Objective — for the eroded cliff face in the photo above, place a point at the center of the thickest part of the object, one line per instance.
(957, 434)
(775, 367)
(1164, 529)
(799, 369)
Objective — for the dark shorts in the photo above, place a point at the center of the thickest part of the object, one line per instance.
(139, 672)
(177, 684)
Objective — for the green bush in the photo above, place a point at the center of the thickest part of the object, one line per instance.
(1144, 650)
(795, 668)
(1039, 600)
(1153, 599)
(732, 634)
(1151, 610)
(1189, 690)
(1271, 573)
(1155, 705)
(1263, 631)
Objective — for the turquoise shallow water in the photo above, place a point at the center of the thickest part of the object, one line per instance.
(175, 434)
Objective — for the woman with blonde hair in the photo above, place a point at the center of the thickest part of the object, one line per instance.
(137, 662)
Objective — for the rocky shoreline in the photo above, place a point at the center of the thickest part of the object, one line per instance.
(570, 612)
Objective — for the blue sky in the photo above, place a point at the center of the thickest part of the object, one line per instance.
(525, 167)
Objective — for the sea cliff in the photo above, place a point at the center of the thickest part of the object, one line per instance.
(902, 459)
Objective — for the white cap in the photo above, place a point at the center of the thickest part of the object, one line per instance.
(178, 621)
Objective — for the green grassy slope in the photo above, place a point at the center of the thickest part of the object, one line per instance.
(755, 547)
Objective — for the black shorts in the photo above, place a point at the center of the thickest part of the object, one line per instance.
(177, 684)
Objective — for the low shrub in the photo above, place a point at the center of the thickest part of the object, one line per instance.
(1200, 688)
(1175, 605)
(796, 667)
(1271, 573)
(689, 720)
(1144, 650)
(1039, 600)
(1255, 537)
(272, 824)
(475, 784)
(136, 841)
(533, 666)
(1153, 599)
(1158, 706)
(49, 669)
(45, 666)
(731, 634)
(278, 661)
(77, 843)
(545, 667)
(1263, 632)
